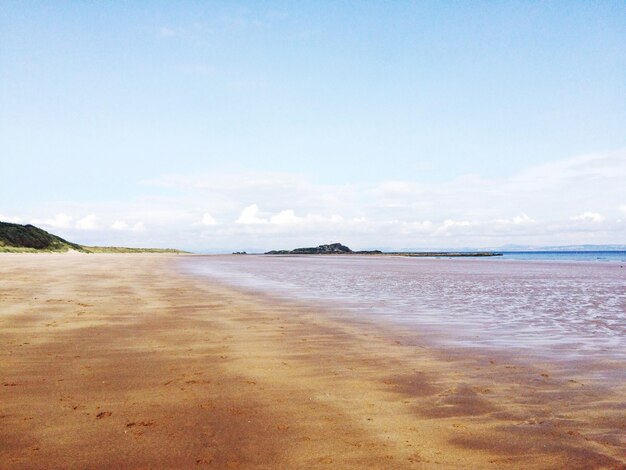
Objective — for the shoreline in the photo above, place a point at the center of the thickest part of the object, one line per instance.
(122, 360)
(431, 327)
(438, 338)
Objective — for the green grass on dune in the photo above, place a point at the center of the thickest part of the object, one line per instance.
(16, 238)
(31, 238)
(16, 249)
(121, 249)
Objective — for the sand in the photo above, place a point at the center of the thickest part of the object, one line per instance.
(123, 361)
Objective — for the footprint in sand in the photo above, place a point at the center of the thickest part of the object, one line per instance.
(140, 423)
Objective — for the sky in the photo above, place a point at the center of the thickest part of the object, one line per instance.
(221, 126)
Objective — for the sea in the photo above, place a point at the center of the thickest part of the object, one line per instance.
(568, 306)
(618, 256)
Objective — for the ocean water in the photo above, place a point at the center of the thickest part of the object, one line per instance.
(601, 256)
(562, 308)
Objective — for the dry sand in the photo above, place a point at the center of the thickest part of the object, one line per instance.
(121, 361)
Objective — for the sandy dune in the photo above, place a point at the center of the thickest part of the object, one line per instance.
(121, 361)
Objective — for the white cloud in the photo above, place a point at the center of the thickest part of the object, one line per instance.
(138, 227)
(534, 206)
(60, 220)
(522, 219)
(285, 217)
(10, 219)
(250, 216)
(288, 218)
(592, 217)
(410, 229)
(123, 226)
(119, 225)
(207, 219)
(421, 226)
(87, 223)
(448, 225)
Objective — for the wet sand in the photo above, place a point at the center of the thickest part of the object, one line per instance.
(123, 361)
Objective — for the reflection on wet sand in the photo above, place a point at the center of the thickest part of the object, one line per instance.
(568, 310)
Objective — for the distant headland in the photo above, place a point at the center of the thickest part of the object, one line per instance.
(339, 249)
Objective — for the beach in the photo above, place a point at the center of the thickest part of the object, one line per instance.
(129, 361)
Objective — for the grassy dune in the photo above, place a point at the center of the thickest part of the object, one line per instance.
(16, 238)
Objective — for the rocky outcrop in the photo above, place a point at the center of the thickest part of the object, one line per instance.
(330, 249)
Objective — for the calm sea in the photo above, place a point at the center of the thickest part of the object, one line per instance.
(562, 305)
(619, 256)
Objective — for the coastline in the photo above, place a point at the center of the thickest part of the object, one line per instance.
(563, 313)
(124, 361)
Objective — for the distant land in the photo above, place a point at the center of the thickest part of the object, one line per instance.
(16, 238)
(339, 249)
(330, 249)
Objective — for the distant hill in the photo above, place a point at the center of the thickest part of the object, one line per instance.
(15, 238)
(322, 249)
(333, 248)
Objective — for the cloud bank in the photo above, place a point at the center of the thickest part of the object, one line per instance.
(572, 201)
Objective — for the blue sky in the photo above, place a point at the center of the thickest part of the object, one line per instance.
(396, 124)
